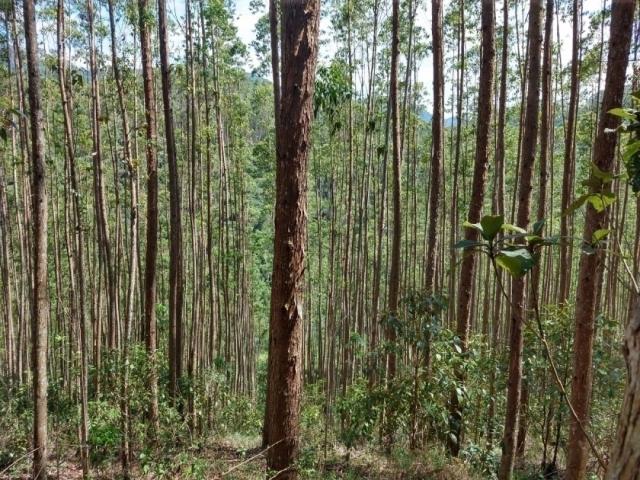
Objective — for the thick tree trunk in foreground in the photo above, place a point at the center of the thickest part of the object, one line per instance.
(40, 313)
(591, 266)
(485, 111)
(625, 454)
(300, 24)
(152, 215)
(529, 141)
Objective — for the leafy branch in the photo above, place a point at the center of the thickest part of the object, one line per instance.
(510, 253)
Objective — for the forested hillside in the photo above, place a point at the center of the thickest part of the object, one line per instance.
(305, 239)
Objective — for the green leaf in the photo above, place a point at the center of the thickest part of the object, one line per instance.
(16, 112)
(577, 203)
(513, 228)
(491, 225)
(534, 239)
(622, 113)
(475, 226)
(606, 177)
(467, 244)
(553, 240)
(600, 201)
(538, 226)
(630, 150)
(599, 235)
(517, 262)
(3, 134)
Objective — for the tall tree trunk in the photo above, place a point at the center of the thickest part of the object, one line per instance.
(40, 294)
(591, 266)
(569, 158)
(498, 209)
(77, 256)
(104, 240)
(300, 25)
(394, 273)
(274, 14)
(175, 234)
(467, 270)
(529, 142)
(437, 148)
(152, 215)
(546, 129)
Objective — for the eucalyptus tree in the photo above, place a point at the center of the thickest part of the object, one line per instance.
(591, 265)
(569, 154)
(151, 255)
(39, 210)
(529, 144)
(299, 48)
(484, 120)
(175, 250)
(394, 273)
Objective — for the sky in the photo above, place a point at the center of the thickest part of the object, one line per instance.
(245, 21)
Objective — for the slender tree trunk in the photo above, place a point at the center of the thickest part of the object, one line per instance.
(437, 148)
(152, 215)
(591, 266)
(103, 235)
(529, 142)
(77, 256)
(569, 158)
(467, 270)
(275, 75)
(300, 24)
(545, 137)
(40, 294)
(175, 234)
(394, 273)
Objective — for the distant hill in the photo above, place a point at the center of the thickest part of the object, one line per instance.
(448, 122)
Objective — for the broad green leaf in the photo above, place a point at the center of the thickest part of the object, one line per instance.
(606, 177)
(491, 225)
(475, 226)
(577, 203)
(553, 240)
(599, 235)
(467, 244)
(630, 149)
(600, 201)
(513, 228)
(622, 113)
(592, 183)
(534, 239)
(538, 226)
(517, 262)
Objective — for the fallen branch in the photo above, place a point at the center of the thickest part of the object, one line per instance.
(18, 461)
(249, 460)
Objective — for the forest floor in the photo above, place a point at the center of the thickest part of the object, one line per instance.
(240, 458)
